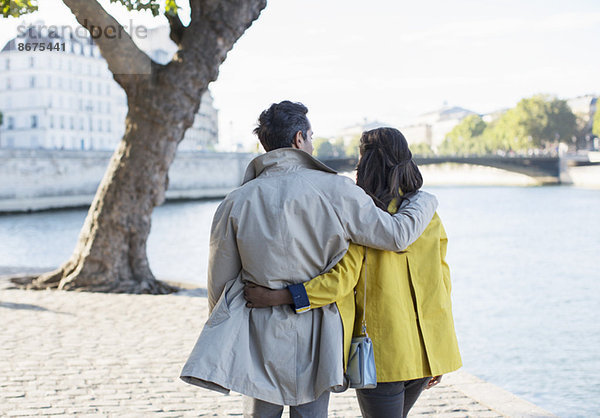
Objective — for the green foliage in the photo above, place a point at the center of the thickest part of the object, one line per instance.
(543, 120)
(535, 122)
(339, 148)
(596, 126)
(139, 5)
(508, 133)
(465, 137)
(327, 148)
(352, 148)
(16, 8)
(171, 7)
(421, 148)
(323, 148)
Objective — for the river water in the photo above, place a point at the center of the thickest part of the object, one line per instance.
(524, 262)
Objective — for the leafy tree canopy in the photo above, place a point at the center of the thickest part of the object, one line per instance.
(544, 120)
(352, 149)
(323, 148)
(421, 148)
(596, 126)
(535, 122)
(464, 137)
(16, 8)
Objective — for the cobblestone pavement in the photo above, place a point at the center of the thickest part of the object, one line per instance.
(78, 354)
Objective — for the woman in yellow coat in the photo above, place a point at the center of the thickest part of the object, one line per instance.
(408, 308)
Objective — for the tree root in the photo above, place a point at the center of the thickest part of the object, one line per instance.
(54, 280)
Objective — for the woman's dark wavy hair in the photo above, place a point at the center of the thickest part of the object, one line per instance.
(386, 170)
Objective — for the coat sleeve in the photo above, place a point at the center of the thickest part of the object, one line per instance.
(331, 286)
(224, 263)
(370, 226)
(445, 267)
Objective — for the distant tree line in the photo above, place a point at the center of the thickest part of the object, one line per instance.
(596, 126)
(336, 148)
(535, 124)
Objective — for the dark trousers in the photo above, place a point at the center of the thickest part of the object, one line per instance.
(390, 399)
(255, 408)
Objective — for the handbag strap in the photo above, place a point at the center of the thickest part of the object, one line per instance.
(364, 319)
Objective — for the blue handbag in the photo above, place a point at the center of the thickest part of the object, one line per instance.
(361, 371)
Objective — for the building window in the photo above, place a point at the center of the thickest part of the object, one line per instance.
(7, 64)
(62, 122)
(10, 123)
(81, 124)
(89, 86)
(8, 83)
(72, 122)
(108, 125)
(32, 81)
(49, 82)
(51, 121)
(34, 121)
(31, 62)
(79, 85)
(100, 125)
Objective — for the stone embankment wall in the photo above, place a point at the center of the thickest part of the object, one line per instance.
(48, 179)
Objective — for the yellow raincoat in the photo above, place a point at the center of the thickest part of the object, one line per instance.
(409, 311)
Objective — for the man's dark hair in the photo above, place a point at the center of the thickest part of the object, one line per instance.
(386, 170)
(278, 125)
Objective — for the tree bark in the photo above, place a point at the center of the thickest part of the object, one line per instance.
(110, 255)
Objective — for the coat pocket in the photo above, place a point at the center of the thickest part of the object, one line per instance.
(221, 311)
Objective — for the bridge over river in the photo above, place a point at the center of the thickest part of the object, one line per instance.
(545, 169)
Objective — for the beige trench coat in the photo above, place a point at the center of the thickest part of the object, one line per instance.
(292, 219)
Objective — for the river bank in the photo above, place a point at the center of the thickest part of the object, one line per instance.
(69, 353)
(35, 180)
(517, 255)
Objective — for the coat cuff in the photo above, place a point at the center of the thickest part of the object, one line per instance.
(300, 297)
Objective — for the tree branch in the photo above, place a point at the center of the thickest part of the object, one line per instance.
(195, 10)
(214, 28)
(125, 60)
(177, 28)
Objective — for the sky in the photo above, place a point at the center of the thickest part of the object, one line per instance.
(391, 60)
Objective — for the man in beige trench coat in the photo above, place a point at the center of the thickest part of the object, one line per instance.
(292, 219)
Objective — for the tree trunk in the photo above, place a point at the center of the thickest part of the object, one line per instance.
(110, 255)
(111, 251)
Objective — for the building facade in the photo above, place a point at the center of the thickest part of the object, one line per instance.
(431, 128)
(64, 97)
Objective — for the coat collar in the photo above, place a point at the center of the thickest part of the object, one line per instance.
(283, 158)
